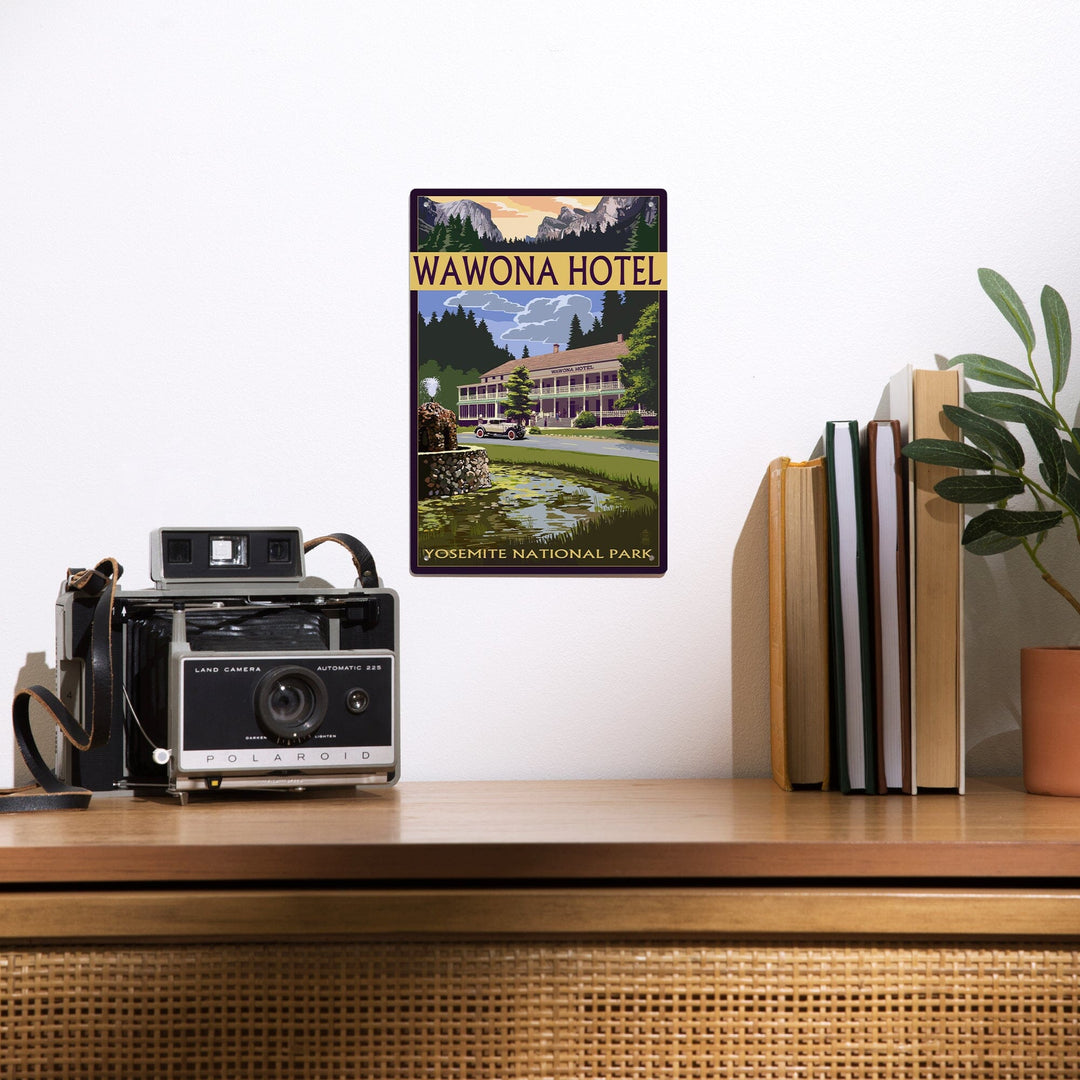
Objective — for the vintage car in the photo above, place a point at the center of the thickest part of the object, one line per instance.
(512, 429)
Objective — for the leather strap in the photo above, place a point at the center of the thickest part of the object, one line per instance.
(361, 557)
(50, 792)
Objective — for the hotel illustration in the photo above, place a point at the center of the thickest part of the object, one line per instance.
(564, 384)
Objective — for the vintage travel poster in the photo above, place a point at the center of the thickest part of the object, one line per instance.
(538, 376)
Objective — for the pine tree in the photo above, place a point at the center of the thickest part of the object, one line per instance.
(644, 237)
(518, 404)
(470, 238)
(576, 337)
(611, 322)
(453, 233)
(640, 369)
(436, 239)
(635, 301)
(456, 349)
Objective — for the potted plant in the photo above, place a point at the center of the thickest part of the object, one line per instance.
(998, 471)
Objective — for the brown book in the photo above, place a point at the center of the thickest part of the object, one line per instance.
(889, 584)
(798, 623)
(936, 592)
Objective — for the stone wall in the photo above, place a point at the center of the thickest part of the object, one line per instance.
(453, 472)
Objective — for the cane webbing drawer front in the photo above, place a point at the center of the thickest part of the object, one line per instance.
(573, 1009)
(595, 929)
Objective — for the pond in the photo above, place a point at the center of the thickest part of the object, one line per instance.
(524, 502)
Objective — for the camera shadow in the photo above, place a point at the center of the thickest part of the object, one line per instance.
(36, 671)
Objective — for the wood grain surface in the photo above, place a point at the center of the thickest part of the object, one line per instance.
(606, 831)
(686, 913)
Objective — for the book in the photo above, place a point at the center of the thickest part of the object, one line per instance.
(889, 592)
(936, 593)
(854, 728)
(798, 623)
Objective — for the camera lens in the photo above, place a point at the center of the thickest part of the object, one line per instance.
(290, 704)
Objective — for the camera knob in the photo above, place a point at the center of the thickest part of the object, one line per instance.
(357, 701)
(161, 756)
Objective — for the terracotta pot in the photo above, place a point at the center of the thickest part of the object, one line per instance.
(1050, 720)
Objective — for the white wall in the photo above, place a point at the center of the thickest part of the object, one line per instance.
(204, 312)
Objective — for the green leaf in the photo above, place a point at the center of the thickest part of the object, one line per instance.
(1058, 333)
(1070, 493)
(1001, 405)
(1048, 444)
(978, 489)
(1010, 523)
(996, 439)
(996, 372)
(957, 455)
(1009, 304)
(993, 544)
(1072, 455)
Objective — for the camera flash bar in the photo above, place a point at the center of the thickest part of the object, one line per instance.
(194, 555)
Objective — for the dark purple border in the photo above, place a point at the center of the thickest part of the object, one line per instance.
(516, 571)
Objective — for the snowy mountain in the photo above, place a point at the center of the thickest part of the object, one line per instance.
(614, 216)
(432, 213)
(612, 211)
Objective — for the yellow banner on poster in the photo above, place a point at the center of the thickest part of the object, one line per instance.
(538, 270)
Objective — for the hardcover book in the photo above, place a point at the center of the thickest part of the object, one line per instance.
(937, 556)
(935, 584)
(538, 381)
(799, 623)
(852, 657)
(889, 580)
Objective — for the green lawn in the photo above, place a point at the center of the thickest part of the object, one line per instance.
(643, 471)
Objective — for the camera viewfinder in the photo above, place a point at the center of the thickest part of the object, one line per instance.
(228, 551)
(179, 550)
(278, 550)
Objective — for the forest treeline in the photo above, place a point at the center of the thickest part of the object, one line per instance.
(458, 233)
(456, 348)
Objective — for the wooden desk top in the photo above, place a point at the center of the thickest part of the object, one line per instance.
(618, 831)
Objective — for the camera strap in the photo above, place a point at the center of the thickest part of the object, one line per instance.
(51, 793)
(361, 557)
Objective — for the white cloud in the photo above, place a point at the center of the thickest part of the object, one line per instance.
(547, 318)
(485, 301)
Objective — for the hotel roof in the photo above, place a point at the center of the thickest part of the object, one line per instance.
(590, 354)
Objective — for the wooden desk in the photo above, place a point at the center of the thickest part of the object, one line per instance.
(646, 928)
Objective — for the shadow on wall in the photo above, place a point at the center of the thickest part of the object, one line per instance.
(36, 671)
(750, 641)
(1006, 608)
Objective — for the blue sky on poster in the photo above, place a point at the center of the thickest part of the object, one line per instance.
(515, 318)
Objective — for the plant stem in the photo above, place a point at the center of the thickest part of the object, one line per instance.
(1039, 492)
(1050, 579)
(1058, 587)
(1051, 402)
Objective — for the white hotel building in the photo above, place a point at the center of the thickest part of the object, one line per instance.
(564, 384)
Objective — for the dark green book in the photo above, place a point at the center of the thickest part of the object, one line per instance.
(851, 633)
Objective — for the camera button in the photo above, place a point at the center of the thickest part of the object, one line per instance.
(357, 701)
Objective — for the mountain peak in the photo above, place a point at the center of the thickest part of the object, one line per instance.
(435, 213)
